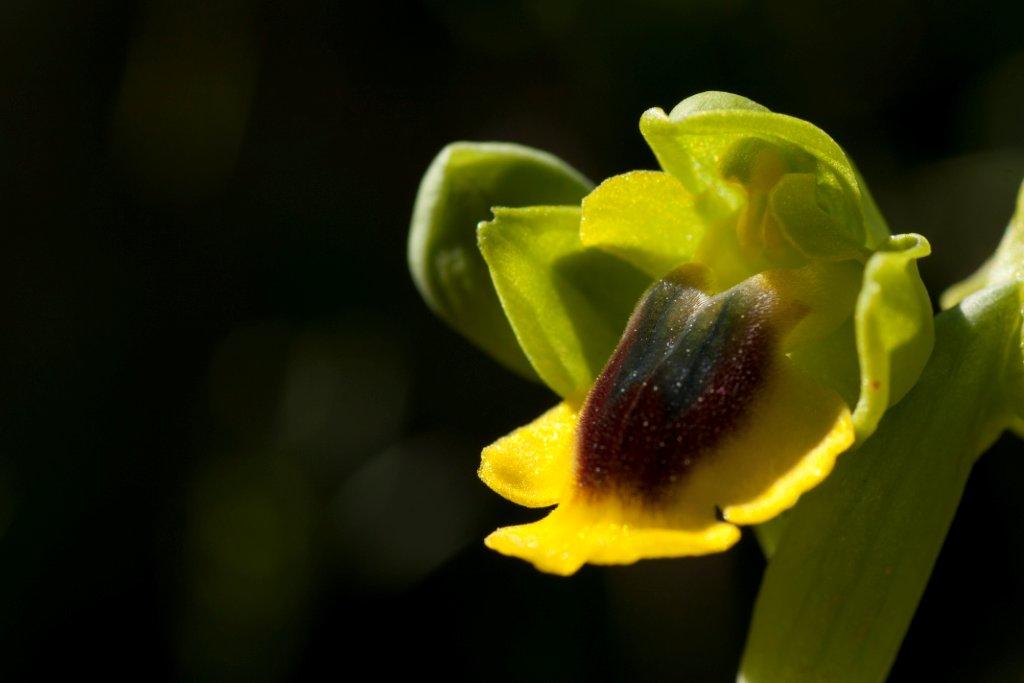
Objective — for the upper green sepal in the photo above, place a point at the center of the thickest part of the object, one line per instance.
(725, 148)
(458, 190)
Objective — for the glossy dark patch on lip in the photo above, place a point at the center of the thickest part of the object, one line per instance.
(682, 377)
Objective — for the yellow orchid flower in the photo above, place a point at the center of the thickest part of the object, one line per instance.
(777, 320)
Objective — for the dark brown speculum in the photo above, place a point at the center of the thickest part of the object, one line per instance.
(683, 376)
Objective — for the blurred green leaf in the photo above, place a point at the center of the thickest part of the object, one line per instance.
(458, 190)
(249, 554)
(567, 304)
(849, 571)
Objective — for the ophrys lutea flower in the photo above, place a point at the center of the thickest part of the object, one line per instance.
(719, 331)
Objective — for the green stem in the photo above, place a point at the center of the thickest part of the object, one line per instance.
(847, 575)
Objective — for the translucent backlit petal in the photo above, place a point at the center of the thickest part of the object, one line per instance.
(533, 465)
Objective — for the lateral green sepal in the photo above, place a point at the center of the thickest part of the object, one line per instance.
(458, 190)
(567, 304)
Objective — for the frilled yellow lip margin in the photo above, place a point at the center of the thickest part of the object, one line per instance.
(698, 423)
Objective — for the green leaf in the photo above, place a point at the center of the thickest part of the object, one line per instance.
(849, 571)
(463, 182)
(567, 304)
(894, 328)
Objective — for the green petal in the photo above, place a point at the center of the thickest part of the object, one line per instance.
(645, 217)
(845, 580)
(567, 304)
(462, 184)
(815, 232)
(894, 328)
(707, 139)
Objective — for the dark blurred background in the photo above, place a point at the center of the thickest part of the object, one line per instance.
(236, 445)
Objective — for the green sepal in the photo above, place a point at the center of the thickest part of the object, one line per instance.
(850, 568)
(458, 190)
(567, 304)
(893, 326)
(710, 140)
